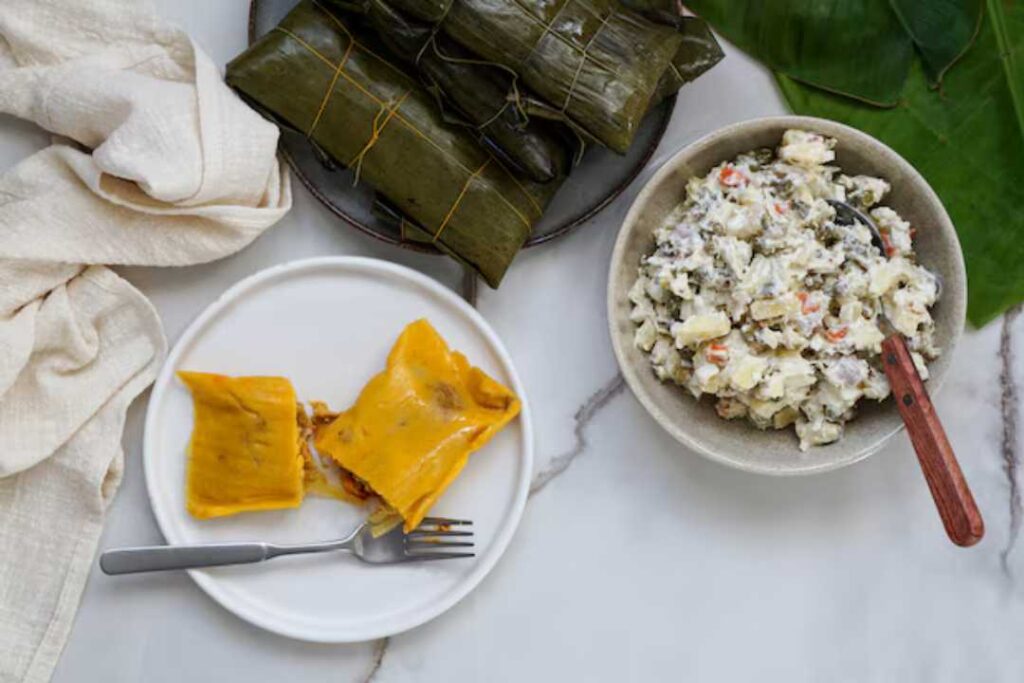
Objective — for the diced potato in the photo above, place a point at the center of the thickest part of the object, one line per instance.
(850, 311)
(865, 335)
(896, 230)
(735, 220)
(774, 387)
(736, 253)
(888, 275)
(636, 292)
(864, 191)
(642, 311)
(802, 148)
(680, 286)
(877, 385)
(730, 408)
(784, 417)
(747, 372)
(764, 409)
(701, 328)
(922, 367)
(707, 377)
(817, 433)
(779, 307)
(646, 335)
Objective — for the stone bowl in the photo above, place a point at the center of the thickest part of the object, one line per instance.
(737, 443)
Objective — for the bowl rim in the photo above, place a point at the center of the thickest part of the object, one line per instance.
(630, 373)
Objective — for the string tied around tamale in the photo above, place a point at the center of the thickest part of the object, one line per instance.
(380, 121)
(514, 97)
(458, 200)
(394, 111)
(548, 29)
(583, 61)
(330, 88)
(543, 34)
(433, 33)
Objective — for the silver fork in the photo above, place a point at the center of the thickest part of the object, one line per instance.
(418, 545)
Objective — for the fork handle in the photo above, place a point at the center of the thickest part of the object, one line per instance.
(952, 495)
(162, 557)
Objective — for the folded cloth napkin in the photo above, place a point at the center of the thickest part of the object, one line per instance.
(157, 163)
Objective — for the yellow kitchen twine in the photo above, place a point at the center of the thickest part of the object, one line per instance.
(514, 99)
(330, 89)
(387, 110)
(583, 60)
(433, 32)
(458, 200)
(568, 42)
(408, 124)
(543, 34)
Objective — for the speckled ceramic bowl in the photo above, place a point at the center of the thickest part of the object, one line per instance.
(737, 443)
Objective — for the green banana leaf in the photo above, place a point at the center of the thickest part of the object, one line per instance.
(323, 75)
(940, 29)
(860, 48)
(966, 137)
(855, 47)
(594, 62)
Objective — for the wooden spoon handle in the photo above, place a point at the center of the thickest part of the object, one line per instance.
(952, 496)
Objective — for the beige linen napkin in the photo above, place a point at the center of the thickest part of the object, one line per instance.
(157, 163)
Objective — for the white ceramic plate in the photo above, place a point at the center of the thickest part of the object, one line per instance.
(328, 325)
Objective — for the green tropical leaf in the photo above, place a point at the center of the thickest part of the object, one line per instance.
(857, 48)
(942, 30)
(968, 141)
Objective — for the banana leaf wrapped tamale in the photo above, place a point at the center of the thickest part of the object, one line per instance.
(662, 11)
(698, 52)
(483, 96)
(316, 74)
(595, 62)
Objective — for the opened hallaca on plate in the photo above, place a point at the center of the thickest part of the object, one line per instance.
(596, 63)
(320, 73)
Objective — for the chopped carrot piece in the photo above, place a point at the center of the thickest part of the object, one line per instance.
(835, 335)
(730, 177)
(806, 307)
(717, 354)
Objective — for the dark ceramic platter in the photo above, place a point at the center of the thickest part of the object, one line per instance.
(593, 184)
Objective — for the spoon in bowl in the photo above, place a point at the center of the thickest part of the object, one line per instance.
(952, 496)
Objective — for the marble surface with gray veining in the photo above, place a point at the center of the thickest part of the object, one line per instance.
(635, 560)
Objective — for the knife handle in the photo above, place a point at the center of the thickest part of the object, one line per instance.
(946, 481)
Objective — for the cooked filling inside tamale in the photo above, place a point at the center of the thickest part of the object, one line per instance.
(415, 424)
(245, 450)
(406, 438)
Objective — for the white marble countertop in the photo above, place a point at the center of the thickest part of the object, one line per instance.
(636, 560)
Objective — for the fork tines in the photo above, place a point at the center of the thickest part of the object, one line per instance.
(428, 537)
(444, 521)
